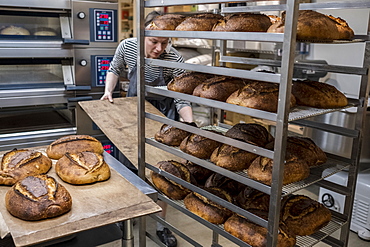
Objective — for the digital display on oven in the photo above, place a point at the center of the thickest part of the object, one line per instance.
(103, 25)
(100, 66)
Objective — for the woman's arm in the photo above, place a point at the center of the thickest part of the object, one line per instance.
(110, 83)
(186, 113)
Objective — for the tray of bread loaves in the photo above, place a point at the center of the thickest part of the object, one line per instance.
(52, 192)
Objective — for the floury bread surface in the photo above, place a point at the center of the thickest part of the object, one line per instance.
(82, 168)
(18, 164)
(73, 144)
(38, 197)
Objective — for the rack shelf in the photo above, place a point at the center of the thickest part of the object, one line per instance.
(282, 118)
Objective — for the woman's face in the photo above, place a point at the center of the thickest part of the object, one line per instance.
(155, 46)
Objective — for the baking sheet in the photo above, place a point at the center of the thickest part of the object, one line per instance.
(93, 205)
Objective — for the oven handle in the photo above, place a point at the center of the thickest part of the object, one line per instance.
(76, 41)
(78, 88)
(82, 98)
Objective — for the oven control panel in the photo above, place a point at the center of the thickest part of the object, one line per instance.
(99, 67)
(103, 25)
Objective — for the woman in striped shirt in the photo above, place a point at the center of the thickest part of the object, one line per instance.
(155, 48)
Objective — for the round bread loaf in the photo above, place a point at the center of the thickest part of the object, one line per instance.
(232, 158)
(229, 185)
(294, 170)
(165, 22)
(316, 27)
(199, 146)
(207, 209)
(18, 164)
(256, 235)
(250, 198)
(73, 144)
(82, 168)
(168, 187)
(243, 22)
(38, 197)
(186, 82)
(199, 22)
(14, 30)
(305, 149)
(251, 133)
(258, 95)
(304, 216)
(218, 87)
(318, 94)
(199, 173)
(172, 136)
(236, 159)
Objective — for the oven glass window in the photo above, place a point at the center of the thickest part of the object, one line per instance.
(31, 76)
(29, 25)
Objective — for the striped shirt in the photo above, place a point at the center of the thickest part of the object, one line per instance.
(126, 56)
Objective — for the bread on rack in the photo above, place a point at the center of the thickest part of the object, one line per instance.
(38, 197)
(165, 22)
(294, 170)
(258, 95)
(249, 198)
(20, 163)
(243, 22)
(304, 216)
(167, 186)
(256, 235)
(236, 159)
(186, 82)
(171, 135)
(208, 209)
(82, 168)
(318, 94)
(73, 144)
(199, 22)
(200, 173)
(305, 149)
(199, 146)
(218, 87)
(227, 184)
(316, 27)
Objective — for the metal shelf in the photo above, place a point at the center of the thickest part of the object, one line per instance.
(302, 241)
(242, 176)
(296, 113)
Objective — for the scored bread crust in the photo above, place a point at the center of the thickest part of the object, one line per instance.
(318, 94)
(258, 95)
(243, 22)
(186, 82)
(256, 235)
(218, 87)
(73, 144)
(316, 27)
(18, 164)
(207, 209)
(199, 146)
(170, 188)
(165, 22)
(294, 170)
(38, 197)
(199, 22)
(82, 168)
(303, 215)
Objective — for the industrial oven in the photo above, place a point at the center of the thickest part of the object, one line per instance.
(53, 53)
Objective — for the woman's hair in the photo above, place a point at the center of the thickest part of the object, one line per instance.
(150, 17)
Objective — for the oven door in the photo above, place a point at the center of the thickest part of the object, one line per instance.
(30, 81)
(33, 24)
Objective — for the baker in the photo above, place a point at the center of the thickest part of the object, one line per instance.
(126, 56)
